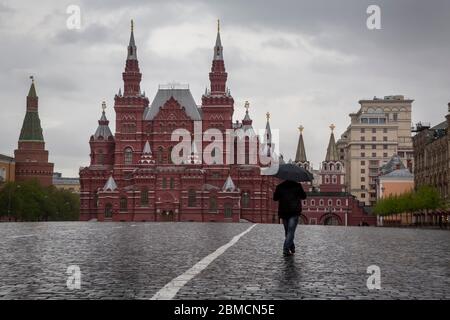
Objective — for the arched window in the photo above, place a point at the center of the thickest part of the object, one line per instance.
(172, 183)
(192, 198)
(159, 156)
(123, 204)
(334, 179)
(321, 202)
(95, 200)
(330, 202)
(228, 210)
(245, 200)
(213, 204)
(144, 196)
(169, 155)
(313, 203)
(108, 210)
(331, 167)
(338, 202)
(327, 179)
(128, 156)
(338, 167)
(100, 157)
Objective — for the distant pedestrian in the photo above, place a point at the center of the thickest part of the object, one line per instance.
(289, 195)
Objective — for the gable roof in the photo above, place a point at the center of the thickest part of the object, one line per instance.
(182, 96)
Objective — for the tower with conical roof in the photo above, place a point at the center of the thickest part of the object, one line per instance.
(300, 156)
(332, 170)
(102, 143)
(217, 102)
(129, 108)
(30, 156)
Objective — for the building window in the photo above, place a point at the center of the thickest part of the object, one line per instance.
(374, 154)
(385, 130)
(363, 187)
(363, 171)
(228, 210)
(95, 200)
(374, 130)
(395, 116)
(245, 200)
(128, 156)
(108, 210)
(334, 179)
(100, 157)
(213, 204)
(123, 204)
(192, 198)
(374, 138)
(363, 195)
(159, 155)
(144, 197)
(363, 179)
(330, 202)
(363, 154)
(363, 146)
(327, 179)
(172, 183)
(169, 155)
(385, 155)
(363, 138)
(363, 163)
(363, 130)
(385, 146)
(374, 146)
(164, 183)
(321, 202)
(338, 202)
(385, 139)
(313, 203)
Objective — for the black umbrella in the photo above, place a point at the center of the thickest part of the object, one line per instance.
(289, 171)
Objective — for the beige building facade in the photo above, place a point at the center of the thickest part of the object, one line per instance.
(7, 169)
(380, 129)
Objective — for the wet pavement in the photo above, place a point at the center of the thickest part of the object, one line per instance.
(136, 260)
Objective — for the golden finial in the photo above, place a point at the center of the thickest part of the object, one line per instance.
(301, 128)
(247, 105)
(132, 25)
(332, 126)
(32, 79)
(268, 116)
(218, 25)
(103, 105)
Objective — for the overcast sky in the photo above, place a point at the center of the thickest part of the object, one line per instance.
(306, 62)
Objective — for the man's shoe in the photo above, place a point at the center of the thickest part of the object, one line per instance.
(288, 253)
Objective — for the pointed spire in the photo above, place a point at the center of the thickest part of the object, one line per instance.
(247, 121)
(268, 131)
(103, 126)
(32, 91)
(300, 156)
(147, 149)
(132, 50)
(218, 75)
(229, 186)
(332, 153)
(31, 126)
(110, 185)
(218, 49)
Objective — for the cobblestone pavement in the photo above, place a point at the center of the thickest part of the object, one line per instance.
(135, 260)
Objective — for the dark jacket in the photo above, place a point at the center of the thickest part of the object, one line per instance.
(289, 195)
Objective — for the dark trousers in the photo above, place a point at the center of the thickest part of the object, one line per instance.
(290, 225)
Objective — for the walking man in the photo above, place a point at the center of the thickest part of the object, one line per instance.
(289, 195)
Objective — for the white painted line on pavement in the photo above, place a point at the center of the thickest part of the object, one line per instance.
(170, 290)
(23, 236)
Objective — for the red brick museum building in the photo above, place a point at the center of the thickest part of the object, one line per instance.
(132, 176)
